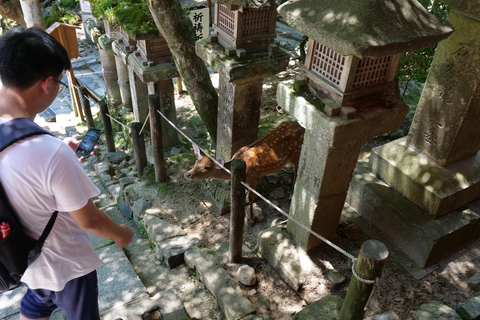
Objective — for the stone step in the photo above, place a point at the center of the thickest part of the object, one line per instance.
(229, 296)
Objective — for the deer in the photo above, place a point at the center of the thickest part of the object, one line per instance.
(265, 156)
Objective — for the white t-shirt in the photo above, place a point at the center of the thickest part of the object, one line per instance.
(41, 174)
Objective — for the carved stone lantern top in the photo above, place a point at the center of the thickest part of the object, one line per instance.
(366, 28)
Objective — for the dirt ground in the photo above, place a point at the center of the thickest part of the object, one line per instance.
(184, 203)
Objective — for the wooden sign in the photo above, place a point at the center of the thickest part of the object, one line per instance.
(67, 36)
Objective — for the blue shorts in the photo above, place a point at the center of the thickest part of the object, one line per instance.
(79, 300)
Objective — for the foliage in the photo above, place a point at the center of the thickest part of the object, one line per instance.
(413, 66)
(136, 20)
(59, 14)
(69, 3)
(105, 9)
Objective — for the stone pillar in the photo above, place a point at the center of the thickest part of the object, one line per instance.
(121, 60)
(437, 166)
(124, 83)
(240, 90)
(139, 94)
(32, 14)
(329, 154)
(150, 78)
(238, 115)
(164, 90)
(109, 70)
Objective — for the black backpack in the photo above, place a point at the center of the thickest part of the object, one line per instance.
(17, 250)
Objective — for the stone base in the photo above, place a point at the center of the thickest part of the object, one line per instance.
(279, 248)
(436, 190)
(424, 240)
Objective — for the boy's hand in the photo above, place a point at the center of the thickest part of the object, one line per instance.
(126, 237)
(74, 143)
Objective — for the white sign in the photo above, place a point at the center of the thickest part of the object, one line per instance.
(85, 6)
(201, 22)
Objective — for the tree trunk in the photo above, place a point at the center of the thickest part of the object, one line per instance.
(12, 10)
(177, 29)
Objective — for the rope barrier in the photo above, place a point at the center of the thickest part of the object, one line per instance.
(125, 126)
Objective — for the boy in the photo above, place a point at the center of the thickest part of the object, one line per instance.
(41, 174)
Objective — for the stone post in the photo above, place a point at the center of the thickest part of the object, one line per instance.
(32, 14)
(121, 61)
(139, 94)
(148, 79)
(436, 167)
(238, 114)
(109, 70)
(240, 90)
(329, 154)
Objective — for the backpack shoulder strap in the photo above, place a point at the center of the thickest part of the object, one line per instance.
(18, 129)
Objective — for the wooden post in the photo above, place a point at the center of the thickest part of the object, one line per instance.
(237, 217)
(138, 147)
(369, 265)
(86, 107)
(179, 85)
(107, 125)
(156, 132)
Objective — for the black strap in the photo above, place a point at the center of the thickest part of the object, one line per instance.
(13, 131)
(18, 129)
(47, 229)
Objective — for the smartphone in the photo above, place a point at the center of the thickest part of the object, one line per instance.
(88, 143)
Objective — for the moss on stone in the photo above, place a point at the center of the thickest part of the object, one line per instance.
(136, 20)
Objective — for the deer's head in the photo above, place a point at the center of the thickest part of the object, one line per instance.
(205, 168)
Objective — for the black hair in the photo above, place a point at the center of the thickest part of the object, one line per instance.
(27, 55)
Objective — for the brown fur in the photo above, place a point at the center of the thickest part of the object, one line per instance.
(265, 156)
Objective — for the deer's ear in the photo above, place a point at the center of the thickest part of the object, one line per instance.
(196, 150)
(221, 161)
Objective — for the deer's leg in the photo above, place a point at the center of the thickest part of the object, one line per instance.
(250, 201)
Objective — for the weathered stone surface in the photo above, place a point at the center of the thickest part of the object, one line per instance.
(229, 296)
(470, 310)
(445, 127)
(330, 150)
(254, 65)
(470, 7)
(435, 189)
(327, 308)
(159, 229)
(115, 157)
(384, 316)
(474, 282)
(293, 264)
(435, 310)
(139, 207)
(171, 251)
(365, 29)
(246, 275)
(424, 240)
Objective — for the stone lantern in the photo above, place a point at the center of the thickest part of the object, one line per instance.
(148, 62)
(353, 52)
(240, 27)
(243, 52)
(354, 47)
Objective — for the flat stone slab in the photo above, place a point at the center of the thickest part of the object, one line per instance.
(228, 294)
(327, 308)
(470, 310)
(435, 310)
(159, 229)
(435, 189)
(422, 239)
(292, 263)
(171, 251)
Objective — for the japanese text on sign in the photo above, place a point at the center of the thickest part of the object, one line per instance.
(201, 21)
